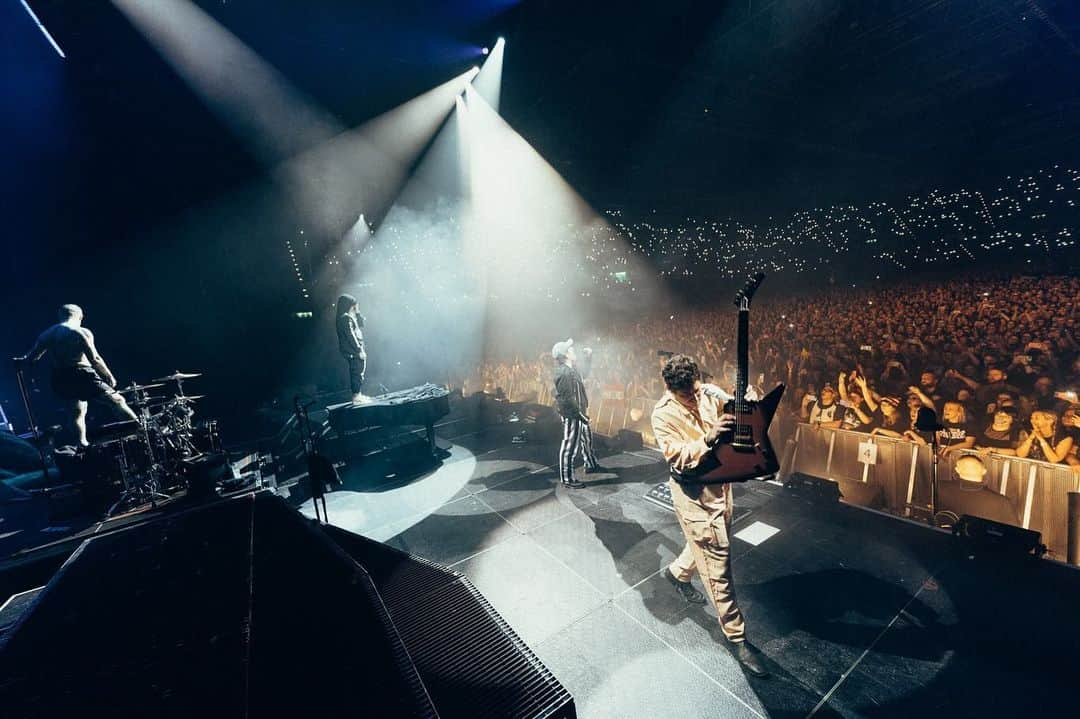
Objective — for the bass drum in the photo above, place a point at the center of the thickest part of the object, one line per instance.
(98, 470)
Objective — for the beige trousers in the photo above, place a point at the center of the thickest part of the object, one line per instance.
(705, 521)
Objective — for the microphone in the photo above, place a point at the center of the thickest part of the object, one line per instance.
(711, 390)
(715, 392)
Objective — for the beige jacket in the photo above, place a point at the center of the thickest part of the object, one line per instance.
(680, 432)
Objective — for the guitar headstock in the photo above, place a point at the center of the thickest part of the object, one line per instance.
(744, 296)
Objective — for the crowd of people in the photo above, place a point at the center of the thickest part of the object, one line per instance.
(998, 358)
(1028, 221)
(1030, 215)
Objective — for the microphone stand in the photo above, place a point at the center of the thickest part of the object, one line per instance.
(38, 442)
(927, 421)
(321, 471)
(933, 478)
(318, 492)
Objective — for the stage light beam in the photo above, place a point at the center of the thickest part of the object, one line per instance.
(275, 119)
(44, 31)
(332, 172)
(488, 83)
(540, 244)
(362, 170)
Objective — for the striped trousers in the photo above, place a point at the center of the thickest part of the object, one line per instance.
(577, 435)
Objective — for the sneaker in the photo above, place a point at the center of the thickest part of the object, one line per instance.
(687, 590)
(750, 659)
(573, 484)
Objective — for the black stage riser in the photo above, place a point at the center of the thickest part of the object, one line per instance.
(245, 608)
(234, 609)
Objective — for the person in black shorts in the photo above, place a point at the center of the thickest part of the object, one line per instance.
(79, 374)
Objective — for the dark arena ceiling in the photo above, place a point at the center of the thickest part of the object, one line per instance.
(744, 108)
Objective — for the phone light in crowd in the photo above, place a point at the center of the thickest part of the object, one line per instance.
(303, 315)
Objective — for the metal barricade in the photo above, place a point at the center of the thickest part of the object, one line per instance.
(899, 478)
(524, 391)
(609, 416)
(639, 419)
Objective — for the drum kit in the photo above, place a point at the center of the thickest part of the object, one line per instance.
(151, 452)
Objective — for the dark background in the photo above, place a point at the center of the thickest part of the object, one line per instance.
(711, 109)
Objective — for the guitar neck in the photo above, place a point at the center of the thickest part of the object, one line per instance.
(742, 356)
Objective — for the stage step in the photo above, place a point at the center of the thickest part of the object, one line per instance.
(15, 606)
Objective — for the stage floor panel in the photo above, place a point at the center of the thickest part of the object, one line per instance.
(858, 614)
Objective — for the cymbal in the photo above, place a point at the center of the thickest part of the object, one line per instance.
(121, 425)
(115, 432)
(178, 375)
(139, 387)
(160, 402)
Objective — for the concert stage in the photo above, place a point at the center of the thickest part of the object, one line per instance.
(858, 614)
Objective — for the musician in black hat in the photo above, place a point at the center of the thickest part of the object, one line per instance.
(79, 374)
(351, 344)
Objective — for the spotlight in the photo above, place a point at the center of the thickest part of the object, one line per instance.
(485, 51)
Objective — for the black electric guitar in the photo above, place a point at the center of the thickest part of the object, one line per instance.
(747, 452)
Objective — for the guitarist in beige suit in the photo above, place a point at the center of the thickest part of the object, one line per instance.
(689, 423)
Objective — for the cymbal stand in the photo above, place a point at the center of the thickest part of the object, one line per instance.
(147, 490)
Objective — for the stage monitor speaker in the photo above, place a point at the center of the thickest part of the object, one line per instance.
(205, 474)
(17, 455)
(815, 489)
(861, 494)
(997, 538)
(628, 440)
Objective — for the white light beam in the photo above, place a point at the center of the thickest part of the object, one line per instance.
(44, 31)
